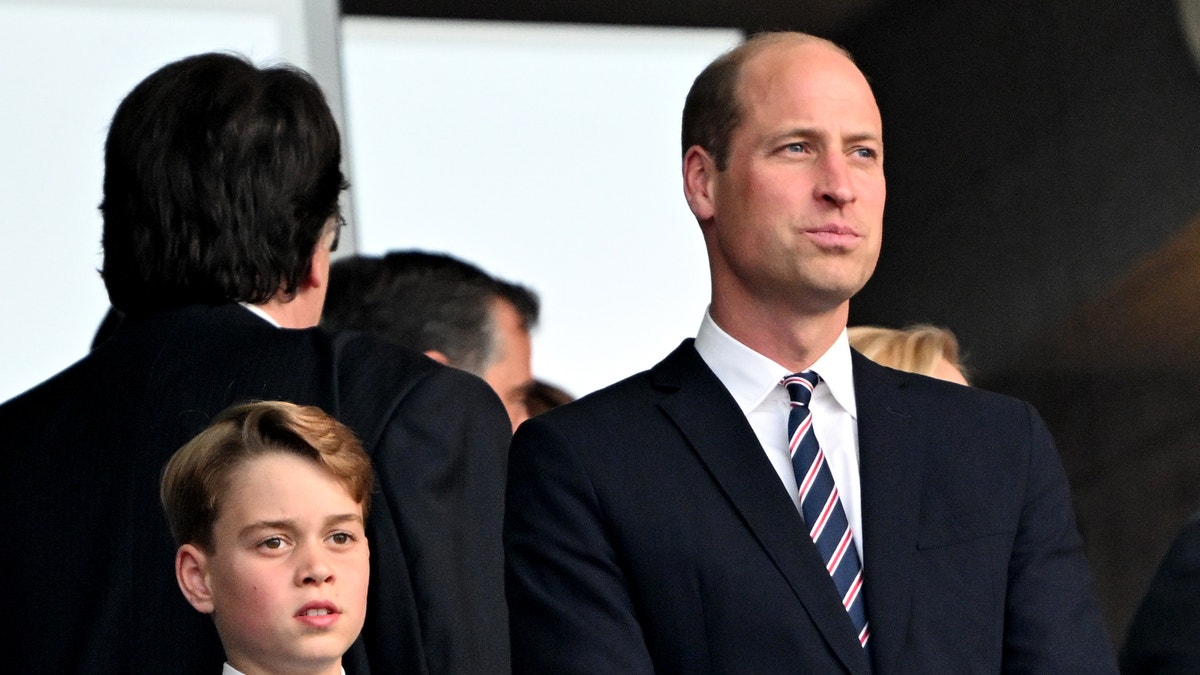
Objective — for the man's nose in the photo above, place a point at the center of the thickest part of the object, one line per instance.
(834, 184)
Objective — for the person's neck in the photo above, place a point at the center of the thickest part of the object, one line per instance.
(245, 667)
(297, 312)
(793, 339)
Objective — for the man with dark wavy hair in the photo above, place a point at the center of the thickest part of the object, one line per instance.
(220, 212)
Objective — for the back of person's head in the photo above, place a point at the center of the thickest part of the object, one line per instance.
(197, 477)
(921, 349)
(425, 302)
(219, 178)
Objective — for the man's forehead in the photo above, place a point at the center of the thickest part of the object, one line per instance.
(807, 71)
(811, 59)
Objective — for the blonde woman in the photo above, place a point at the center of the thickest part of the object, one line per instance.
(921, 348)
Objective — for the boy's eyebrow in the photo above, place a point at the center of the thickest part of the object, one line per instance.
(267, 525)
(343, 518)
(291, 524)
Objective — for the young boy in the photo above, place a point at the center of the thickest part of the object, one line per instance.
(268, 506)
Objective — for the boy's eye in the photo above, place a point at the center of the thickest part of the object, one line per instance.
(341, 538)
(272, 543)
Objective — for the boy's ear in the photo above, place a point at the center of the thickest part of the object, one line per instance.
(191, 571)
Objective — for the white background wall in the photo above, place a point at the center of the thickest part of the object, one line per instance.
(546, 154)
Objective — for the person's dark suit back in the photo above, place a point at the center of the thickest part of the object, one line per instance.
(221, 187)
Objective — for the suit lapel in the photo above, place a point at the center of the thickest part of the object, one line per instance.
(710, 420)
(890, 459)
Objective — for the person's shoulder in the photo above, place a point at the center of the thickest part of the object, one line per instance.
(640, 393)
(359, 354)
(378, 381)
(618, 398)
(929, 390)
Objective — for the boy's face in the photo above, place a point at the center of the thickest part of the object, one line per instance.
(287, 582)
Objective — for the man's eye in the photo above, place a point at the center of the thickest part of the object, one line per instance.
(341, 538)
(273, 543)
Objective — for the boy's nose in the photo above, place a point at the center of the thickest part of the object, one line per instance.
(314, 570)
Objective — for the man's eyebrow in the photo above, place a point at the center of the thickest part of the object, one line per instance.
(865, 136)
(798, 132)
(808, 132)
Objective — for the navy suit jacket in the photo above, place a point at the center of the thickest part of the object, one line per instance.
(89, 562)
(646, 532)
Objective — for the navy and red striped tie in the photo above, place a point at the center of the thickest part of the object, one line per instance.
(820, 504)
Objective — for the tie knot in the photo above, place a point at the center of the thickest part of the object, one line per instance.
(800, 386)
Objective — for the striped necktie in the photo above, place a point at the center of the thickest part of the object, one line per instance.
(820, 504)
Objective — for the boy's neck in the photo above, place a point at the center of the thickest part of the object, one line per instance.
(335, 669)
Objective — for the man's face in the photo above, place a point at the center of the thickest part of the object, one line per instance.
(511, 374)
(795, 220)
(288, 578)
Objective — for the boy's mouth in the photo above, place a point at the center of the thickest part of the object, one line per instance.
(320, 615)
(318, 608)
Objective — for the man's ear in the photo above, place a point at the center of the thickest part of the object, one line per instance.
(699, 170)
(318, 267)
(191, 571)
(437, 356)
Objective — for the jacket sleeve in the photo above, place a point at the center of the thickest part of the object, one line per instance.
(570, 608)
(441, 464)
(1052, 622)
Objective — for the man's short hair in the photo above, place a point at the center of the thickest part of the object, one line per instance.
(713, 110)
(197, 477)
(425, 301)
(219, 177)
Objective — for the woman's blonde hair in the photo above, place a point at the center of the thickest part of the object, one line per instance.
(915, 349)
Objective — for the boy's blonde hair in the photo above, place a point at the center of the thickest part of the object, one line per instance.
(197, 476)
(915, 349)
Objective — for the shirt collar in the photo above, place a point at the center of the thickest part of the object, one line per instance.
(751, 377)
(260, 313)
(230, 670)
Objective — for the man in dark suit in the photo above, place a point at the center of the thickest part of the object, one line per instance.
(220, 212)
(666, 524)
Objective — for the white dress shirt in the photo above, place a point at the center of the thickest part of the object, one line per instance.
(754, 381)
(261, 313)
